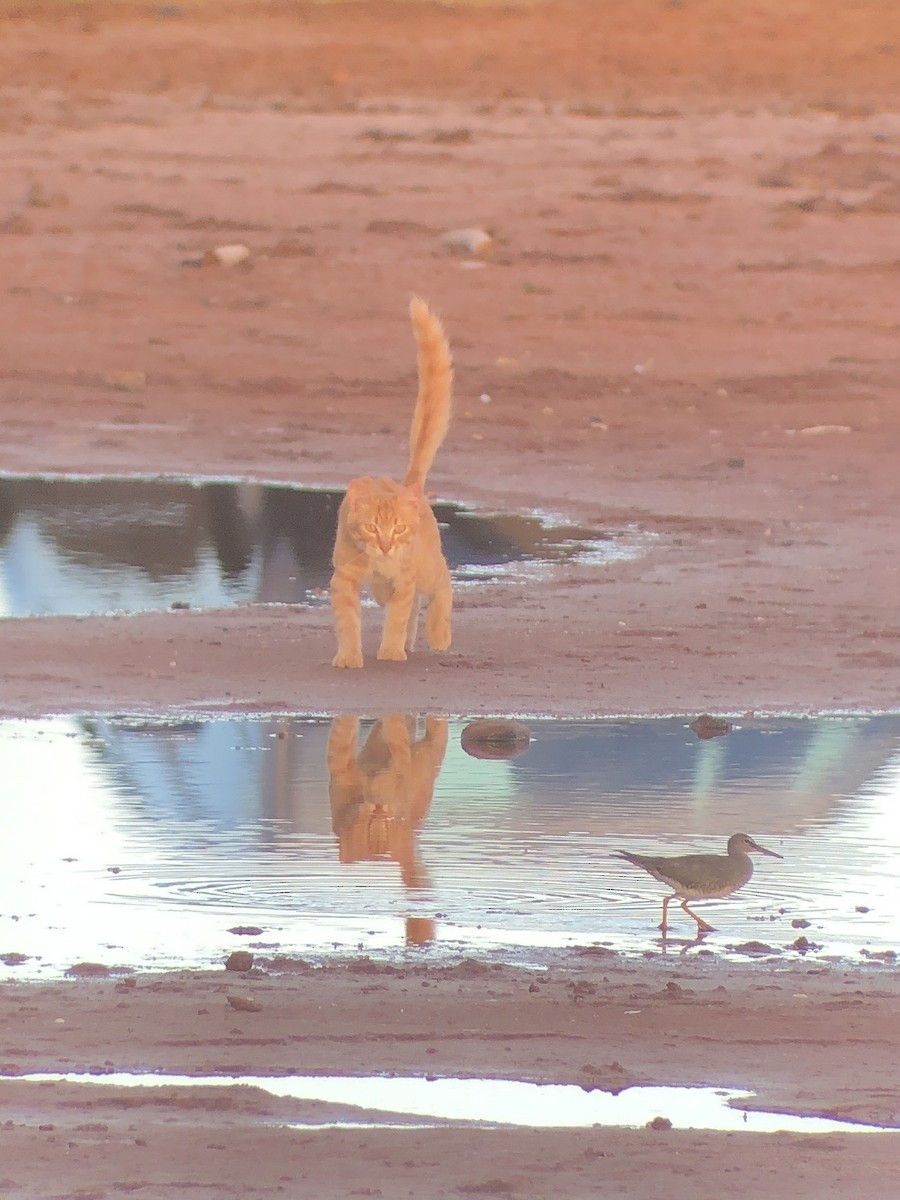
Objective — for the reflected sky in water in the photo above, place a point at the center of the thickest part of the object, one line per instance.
(142, 843)
(366, 1100)
(95, 545)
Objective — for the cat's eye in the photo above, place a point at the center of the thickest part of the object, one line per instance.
(370, 527)
(400, 528)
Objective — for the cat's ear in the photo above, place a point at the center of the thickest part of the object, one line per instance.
(354, 491)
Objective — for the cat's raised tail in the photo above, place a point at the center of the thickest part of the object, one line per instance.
(432, 412)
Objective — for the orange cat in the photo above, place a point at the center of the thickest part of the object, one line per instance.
(387, 538)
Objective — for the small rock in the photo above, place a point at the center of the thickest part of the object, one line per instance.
(125, 381)
(803, 944)
(659, 1123)
(84, 970)
(495, 737)
(228, 256)
(800, 923)
(706, 726)
(473, 241)
(13, 958)
(245, 930)
(243, 1003)
(239, 960)
(755, 948)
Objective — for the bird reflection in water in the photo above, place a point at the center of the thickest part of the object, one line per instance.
(381, 792)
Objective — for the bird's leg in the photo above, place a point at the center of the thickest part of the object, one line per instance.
(664, 924)
(702, 926)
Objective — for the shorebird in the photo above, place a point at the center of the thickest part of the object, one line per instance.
(701, 876)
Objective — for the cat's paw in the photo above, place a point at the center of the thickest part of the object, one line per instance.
(392, 654)
(353, 659)
(439, 639)
(438, 630)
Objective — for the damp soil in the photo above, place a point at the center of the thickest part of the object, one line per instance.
(685, 320)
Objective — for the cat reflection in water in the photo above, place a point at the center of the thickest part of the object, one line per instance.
(381, 792)
(388, 539)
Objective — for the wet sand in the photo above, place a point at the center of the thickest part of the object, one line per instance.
(803, 1039)
(685, 320)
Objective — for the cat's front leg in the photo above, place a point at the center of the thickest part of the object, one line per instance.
(345, 608)
(440, 606)
(412, 625)
(396, 621)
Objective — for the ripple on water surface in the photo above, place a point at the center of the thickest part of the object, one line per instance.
(143, 843)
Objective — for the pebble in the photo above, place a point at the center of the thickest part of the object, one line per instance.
(243, 1003)
(228, 256)
(472, 240)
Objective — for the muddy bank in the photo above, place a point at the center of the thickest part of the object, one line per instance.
(597, 1022)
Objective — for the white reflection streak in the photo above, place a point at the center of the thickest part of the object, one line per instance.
(502, 1102)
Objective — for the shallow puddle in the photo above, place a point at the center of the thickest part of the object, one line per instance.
(492, 1102)
(81, 546)
(144, 843)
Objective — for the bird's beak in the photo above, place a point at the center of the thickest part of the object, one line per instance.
(763, 850)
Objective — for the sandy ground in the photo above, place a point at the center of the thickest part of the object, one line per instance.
(685, 323)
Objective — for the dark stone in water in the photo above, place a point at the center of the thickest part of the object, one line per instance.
(85, 970)
(803, 944)
(706, 726)
(755, 948)
(495, 737)
(239, 960)
(14, 958)
(659, 1123)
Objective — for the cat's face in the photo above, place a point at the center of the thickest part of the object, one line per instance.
(382, 517)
